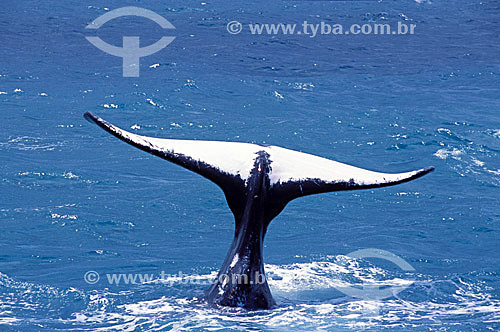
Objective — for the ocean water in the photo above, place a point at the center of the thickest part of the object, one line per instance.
(74, 199)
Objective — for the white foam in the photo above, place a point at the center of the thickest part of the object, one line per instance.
(445, 153)
(477, 162)
(449, 302)
(235, 260)
(295, 310)
(496, 172)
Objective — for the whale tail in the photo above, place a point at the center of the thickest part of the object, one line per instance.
(258, 182)
(229, 164)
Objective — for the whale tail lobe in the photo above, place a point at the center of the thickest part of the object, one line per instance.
(292, 174)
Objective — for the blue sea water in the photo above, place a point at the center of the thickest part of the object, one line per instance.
(74, 199)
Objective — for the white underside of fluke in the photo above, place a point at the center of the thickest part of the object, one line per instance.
(289, 165)
(238, 159)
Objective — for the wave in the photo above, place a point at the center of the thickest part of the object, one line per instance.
(306, 294)
(471, 152)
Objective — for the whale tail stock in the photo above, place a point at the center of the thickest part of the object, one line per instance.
(258, 182)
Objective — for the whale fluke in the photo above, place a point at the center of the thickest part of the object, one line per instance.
(258, 181)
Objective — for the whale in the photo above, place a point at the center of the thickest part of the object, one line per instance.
(258, 181)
